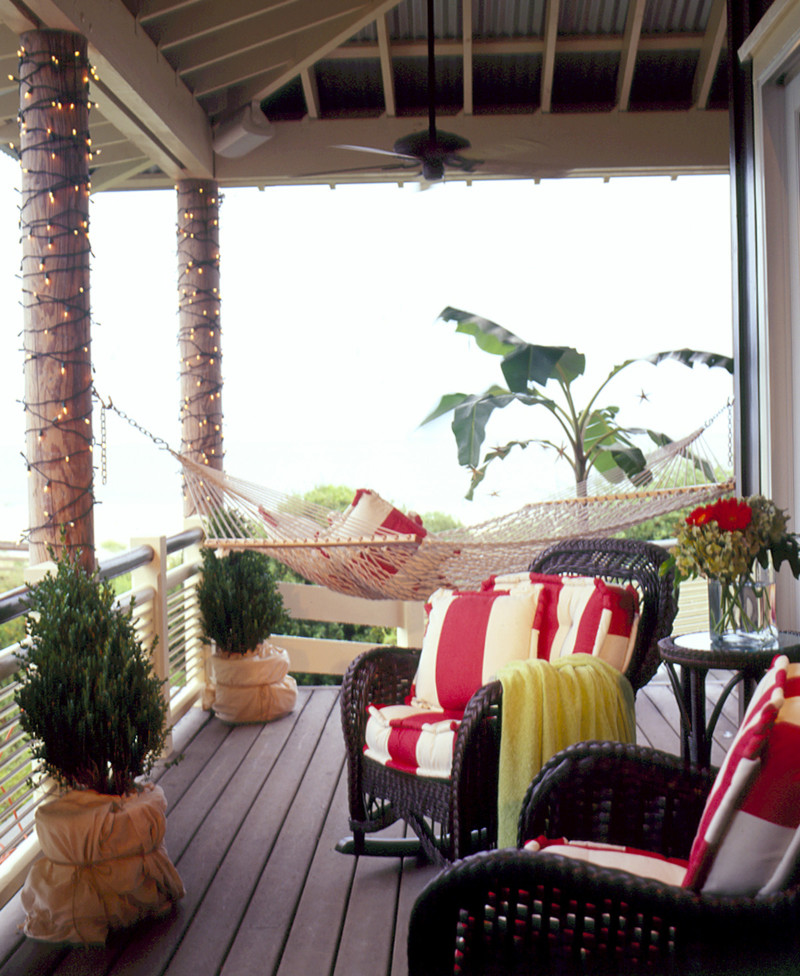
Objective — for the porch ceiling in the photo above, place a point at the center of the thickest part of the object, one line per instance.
(540, 88)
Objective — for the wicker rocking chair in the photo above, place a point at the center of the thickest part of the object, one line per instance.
(516, 911)
(457, 816)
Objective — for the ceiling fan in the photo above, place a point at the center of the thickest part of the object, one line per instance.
(434, 149)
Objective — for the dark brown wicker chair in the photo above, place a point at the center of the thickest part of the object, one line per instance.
(458, 816)
(512, 911)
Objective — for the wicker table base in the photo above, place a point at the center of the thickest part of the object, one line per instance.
(692, 653)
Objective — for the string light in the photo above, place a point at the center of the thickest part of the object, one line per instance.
(199, 307)
(54, 153)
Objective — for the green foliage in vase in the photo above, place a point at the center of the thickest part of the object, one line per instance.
(240, 605)
(88, 696)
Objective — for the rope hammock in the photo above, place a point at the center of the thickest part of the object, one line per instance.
(362, 553)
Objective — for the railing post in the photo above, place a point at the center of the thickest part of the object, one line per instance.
(196, 648)
(154, 575)
(413, 626)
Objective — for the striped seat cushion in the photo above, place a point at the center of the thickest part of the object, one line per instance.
(579, 615)
(469, 636)
(749, 835)
(644, 864)
(412, 739)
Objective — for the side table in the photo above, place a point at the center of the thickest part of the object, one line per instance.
(693, 654)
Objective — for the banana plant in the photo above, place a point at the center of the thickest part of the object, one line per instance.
(594, 438)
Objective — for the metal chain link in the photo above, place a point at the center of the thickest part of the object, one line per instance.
(158, 441)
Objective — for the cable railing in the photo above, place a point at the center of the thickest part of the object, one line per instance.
(164, 572)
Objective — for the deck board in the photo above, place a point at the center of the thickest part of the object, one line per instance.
(254, 815)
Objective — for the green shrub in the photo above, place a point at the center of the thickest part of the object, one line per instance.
(88, 696)
(240, 605)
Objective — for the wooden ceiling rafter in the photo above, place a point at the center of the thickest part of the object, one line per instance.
(144, 97)
(710, 53)
(549, 54)
(314, 47)
(467, 56)
(171, 69)
(387, 71)
(308, 79)
(630, 48)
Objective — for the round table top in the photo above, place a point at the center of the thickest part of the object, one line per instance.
(694, 650)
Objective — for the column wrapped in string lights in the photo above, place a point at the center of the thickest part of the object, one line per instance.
(199, 325)
(55, 153)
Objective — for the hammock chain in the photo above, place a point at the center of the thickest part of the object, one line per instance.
(110, 405)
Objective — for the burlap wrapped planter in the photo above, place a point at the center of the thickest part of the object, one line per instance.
(105, 865)
(251, 687)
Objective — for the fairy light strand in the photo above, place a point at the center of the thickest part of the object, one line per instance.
(55, 155)
(199, 336)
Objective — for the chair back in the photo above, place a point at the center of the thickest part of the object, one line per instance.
(624, 561)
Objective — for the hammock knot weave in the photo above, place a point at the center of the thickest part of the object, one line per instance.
(373, 550)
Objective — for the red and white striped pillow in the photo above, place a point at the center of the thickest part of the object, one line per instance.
(369, 514)
(748, 840)
(579, 615)
(469, 636)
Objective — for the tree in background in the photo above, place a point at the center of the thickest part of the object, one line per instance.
(595, 440)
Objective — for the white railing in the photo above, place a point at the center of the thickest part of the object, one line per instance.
(164, 572)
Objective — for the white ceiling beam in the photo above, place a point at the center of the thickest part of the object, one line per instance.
(308, 78)
(315, 46)
(566, 44)
(630, 45)
(387, 73)
(109, 177)
(275, 45)
(716, 33)
(148, 101)
(466, 20)
(239, 72)
(236, 18)
(549, 54)
(150, 9)
(536, 146)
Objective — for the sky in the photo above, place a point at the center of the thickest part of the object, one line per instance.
(332, 349)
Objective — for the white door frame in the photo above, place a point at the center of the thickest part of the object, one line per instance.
(774, 49)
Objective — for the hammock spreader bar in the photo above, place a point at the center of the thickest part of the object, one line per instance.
(351, 556)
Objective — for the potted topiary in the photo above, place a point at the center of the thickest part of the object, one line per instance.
(97, 720)
(240, 607)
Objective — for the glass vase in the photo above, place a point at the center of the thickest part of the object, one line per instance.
(741, 614)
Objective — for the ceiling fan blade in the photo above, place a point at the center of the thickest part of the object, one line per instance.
(455, 161)
(380, 152)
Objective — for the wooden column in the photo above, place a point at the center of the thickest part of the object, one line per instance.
(54, 221)
(199, 324)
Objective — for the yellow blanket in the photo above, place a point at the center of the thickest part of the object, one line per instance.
(546, 707)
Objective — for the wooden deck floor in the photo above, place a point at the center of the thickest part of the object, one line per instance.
(254, 814)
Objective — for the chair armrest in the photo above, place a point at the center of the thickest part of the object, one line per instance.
(514, 911)
(617, 794)
(383, 675)
(476, 761)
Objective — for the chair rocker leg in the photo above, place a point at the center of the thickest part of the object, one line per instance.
(360, 845)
